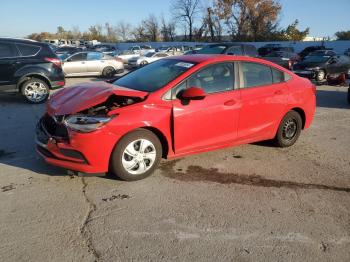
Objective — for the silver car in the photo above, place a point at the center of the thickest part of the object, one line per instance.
(92, 64)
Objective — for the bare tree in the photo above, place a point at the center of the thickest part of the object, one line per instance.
(124, 30)
(139, 33)
(152, 28)
(167, 29)
(111, 33)
(186, 11)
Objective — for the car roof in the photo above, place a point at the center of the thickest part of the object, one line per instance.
(21, 40)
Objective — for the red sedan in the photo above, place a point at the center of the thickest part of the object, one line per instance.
(173, 107)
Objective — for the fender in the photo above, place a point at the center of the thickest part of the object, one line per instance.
(23, 73)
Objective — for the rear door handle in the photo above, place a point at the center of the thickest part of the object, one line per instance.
(230, 103)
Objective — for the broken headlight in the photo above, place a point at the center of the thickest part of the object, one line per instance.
(86, 124)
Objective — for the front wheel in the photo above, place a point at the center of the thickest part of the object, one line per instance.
(136, 155)
(35, 91)
(289, 129)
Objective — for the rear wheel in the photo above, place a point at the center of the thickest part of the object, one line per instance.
(289, 129)
(349, 95)
(35, 91)
(108, 72)
(136, 155)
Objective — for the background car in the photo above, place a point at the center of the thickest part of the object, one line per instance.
(326, 52)
(29, 68)
(146, 59)
(106, 49)
(267, 49)
(173, 107)
(92, 64)
(68, 50)
(318, 67)
(309, 50)
(126, 55)
(229, 49)
(282, 58)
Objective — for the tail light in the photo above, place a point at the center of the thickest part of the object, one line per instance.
(119, 59)
(55, 61)
(290, 64)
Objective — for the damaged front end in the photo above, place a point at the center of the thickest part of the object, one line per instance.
(65, 134)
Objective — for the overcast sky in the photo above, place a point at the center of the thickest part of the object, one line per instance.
(22, 17)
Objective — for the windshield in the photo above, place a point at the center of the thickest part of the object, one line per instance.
(316, 59)
(155, 75)
(212, 49)
(149, 54)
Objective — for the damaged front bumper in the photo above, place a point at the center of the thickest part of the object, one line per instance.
(83, 152)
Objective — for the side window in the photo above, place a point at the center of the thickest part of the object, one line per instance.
(234, 50)
(78, 57)
(255, 74)
(7, 50)
(277, 76)
(28, 50)
(214, 78)
(161, 55)
(94, 56)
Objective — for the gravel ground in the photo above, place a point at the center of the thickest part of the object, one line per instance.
(248, 203)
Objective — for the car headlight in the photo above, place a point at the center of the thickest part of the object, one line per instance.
(86, 124)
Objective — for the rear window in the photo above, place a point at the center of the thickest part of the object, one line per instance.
(7, 50)
(255, 74)
(28, 50)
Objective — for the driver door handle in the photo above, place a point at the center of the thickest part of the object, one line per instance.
(230, 102)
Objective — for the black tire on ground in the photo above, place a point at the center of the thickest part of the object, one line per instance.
(108, 71)
(289, 129)
(26, 86)
(118, 155)
(349, 95)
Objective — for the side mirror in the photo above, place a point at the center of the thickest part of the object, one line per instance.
(193, 93)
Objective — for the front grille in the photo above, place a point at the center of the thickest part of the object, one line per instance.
(55, 127)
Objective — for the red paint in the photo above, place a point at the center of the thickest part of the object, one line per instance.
(219, 120)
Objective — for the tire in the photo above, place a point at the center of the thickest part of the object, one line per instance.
(108, 72)
(349, 95)
(143, 63)
(289, 129)
(320, 75)
(130, 162)
(35, 91)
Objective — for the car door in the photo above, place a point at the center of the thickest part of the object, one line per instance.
(264, 94)
(75, 64)
(95, 63)
(211, 122)
(8, 66)
(334, 65)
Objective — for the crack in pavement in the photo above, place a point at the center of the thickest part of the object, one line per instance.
(84, 230)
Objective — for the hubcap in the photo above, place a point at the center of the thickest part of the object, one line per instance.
(35, 91)
(320, 75)
(139, 156)
(290, 129)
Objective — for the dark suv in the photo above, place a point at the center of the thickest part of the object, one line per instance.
(30, 68)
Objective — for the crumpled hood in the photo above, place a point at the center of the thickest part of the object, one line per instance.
(83, 96)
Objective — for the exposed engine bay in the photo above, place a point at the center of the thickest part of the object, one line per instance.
(113, 102)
